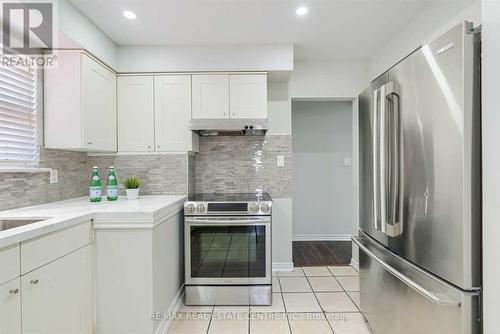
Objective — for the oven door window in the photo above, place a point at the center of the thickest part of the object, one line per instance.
(228, 251)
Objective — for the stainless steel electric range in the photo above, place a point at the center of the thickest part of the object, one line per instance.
(227, 242)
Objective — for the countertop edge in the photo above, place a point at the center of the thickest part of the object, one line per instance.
(102, 220)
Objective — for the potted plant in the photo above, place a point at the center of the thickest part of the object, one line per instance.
(131, 185)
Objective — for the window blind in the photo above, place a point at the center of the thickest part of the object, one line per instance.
(19, 92)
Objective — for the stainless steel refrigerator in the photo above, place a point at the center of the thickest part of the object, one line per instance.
(420, 190)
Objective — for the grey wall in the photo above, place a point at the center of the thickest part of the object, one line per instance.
(322, 191)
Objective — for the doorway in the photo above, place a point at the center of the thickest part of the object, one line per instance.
(322, 182)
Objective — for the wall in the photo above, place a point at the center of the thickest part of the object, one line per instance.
(77, 30)
(205, 58)
(328, 79)
(490, 10)
(24, 189)
(434, 20)
(322, 187)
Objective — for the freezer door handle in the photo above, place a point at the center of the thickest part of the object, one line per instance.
(436, 298)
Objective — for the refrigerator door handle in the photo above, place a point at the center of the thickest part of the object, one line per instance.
(375, 160)
(382, 159)
(437, 298)
(393, 226)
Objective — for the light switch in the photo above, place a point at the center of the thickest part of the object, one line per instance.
(280, 161)
(53, 176)
(346, 162)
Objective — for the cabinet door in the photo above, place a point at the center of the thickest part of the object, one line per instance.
(10, 307)
(135, 111)
(248, 96)
(210, 96)
(98, 106)
(58, 297)
(172, 112)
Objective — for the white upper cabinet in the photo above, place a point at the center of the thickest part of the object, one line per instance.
(172, 113)
(136, 117)
(210, 96)
(248, 96)
(80, 104)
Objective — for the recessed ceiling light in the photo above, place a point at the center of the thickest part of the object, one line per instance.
(302, 10)
(129, 14)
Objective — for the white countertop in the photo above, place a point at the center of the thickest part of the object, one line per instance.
(142, 213)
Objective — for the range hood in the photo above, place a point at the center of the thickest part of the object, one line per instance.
(229, 127)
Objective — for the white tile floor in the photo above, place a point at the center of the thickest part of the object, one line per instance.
(309, 300)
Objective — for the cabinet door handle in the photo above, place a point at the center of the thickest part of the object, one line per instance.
(14, 291)
(149, 146)
(34, 281)
(158, 146)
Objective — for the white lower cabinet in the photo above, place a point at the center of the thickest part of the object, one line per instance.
(58, 297)
(10, 307)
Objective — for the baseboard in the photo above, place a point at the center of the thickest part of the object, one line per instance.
(282, 266)
(321, 237)
(355, 264)
(174, 307)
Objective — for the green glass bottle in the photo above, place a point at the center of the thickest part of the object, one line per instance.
(95, 186)
(112, 185)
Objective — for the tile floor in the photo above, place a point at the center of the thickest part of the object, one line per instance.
(309, 300)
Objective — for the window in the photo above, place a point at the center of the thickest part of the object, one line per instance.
(20, 92)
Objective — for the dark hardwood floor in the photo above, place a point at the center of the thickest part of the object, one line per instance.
(321, 253)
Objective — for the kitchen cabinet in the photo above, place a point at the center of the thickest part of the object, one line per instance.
(136, 114)
(248, 96)
(80, 104)
(58, 297)
(10, 307)
(172, 114)
(236, 96)
(210, 96)
(153, 114)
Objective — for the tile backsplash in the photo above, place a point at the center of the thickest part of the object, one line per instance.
(23, 189)
(244, 164)
(159, 174)
(224, 164)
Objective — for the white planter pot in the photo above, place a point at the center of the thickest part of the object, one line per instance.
(132, 194)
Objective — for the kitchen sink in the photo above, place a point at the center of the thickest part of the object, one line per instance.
(8, 223)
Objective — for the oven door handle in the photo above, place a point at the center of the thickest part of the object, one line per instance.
(225, 221)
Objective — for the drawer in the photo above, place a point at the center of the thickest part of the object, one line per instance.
(37, 252)
(9, 263)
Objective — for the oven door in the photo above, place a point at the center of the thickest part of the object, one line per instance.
(227, 250)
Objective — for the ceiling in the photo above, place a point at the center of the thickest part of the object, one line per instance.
(333, 29)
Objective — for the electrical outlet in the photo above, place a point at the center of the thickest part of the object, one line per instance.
(280, 161)
(346, 162)
(53, 176)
